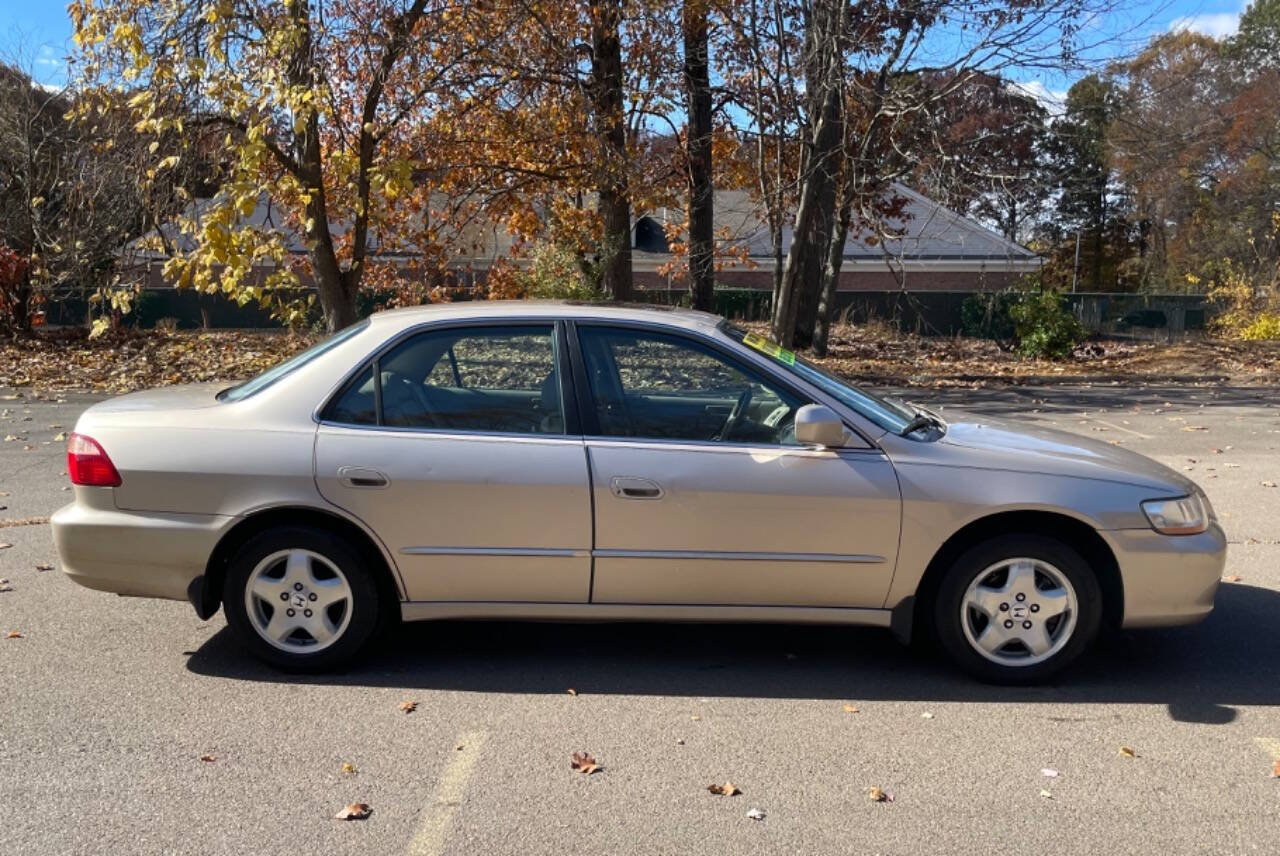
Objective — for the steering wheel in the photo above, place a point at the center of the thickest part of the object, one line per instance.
(735, 415)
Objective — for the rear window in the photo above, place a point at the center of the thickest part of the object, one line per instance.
(271, 375)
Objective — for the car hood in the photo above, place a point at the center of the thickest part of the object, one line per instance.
(999, 444)
(187, 396)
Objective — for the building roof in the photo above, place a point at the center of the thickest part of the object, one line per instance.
(931, 237)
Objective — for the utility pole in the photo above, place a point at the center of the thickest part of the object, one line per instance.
(1075, 269)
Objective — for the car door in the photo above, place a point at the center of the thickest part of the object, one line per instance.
(703, 496)
(451, 445)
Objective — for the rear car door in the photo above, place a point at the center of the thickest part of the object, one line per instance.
(703, 496)
(451, 446)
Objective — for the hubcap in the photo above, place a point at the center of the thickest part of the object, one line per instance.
(298, 601)
(1019, 612)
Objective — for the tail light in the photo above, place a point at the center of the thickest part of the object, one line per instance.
(88, 464)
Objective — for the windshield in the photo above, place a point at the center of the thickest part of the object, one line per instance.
(271, 375)
(888, 414)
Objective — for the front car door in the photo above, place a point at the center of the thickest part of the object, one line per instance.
(702, 495)
(451, 445)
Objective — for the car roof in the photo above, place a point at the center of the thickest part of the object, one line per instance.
(550, 309)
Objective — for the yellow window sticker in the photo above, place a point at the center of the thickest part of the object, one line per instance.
(773, 349)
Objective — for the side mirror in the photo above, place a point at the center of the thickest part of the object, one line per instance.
(817, 425)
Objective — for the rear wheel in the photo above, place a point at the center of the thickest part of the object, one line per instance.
(301, 599)
(1017, 609)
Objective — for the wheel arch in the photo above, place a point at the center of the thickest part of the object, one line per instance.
(205, 592)
(1071, 531)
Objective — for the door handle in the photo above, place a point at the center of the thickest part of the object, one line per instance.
(362, 477)
(630, 487)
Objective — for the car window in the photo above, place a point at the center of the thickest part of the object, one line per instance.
(657, 386)
(270, 376)
(885, 412)
(492, 379)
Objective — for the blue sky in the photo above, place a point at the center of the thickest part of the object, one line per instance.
(38, 33)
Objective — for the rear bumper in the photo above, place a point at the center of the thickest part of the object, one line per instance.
(1168, 580)
(140, 554)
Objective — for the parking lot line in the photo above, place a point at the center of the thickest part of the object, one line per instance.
(1270, 745)
(437, 816)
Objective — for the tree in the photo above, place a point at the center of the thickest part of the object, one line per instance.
(1088, 196)
(317, 103)
(697, 74)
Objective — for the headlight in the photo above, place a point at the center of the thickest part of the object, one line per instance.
(1188, 515)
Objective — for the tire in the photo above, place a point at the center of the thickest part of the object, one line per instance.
(1048, 600)
(332, 600)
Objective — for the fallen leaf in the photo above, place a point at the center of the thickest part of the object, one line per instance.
(926, 715)
(1232, 578)
(695, 717)
(354, 811)
(348, 768)
(13, 634)
(728, 789)
(1126, 752)
(571, 691)
(679, 741)
(755, 814)
(408, 706)
(459, 747)
(1275, 771)
(1046, 794)
(60, 436)
(208, 759)
(1268, 484)
(1194, 428)
(5, 546)
(848, 708)
(1051, 773)
(877, 795)
(44, 567)
(583, 763)
(4, 586)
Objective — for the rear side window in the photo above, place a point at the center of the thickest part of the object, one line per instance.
(488, 379)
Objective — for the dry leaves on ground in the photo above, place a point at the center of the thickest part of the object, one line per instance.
(848, 708)
(571, 691)
(583, 763)
(877, 795)
(13, 634)
(208, 759)
(755, 814)
(348, 768)
(44, 566)
(354, 811)
(1232, 578)
(1126, 752)
(728, 789)
(408, 706)
(1275, 771)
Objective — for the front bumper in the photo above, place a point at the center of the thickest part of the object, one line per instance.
(1168, 579)
(140, 554)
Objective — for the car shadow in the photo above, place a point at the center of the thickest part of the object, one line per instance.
(1201, 673)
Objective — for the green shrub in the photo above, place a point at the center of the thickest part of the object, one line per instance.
(1044, 325)
(986, 316)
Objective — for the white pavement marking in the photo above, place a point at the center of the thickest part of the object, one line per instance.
(1270, 745)
(1122, 428)
(437, 816)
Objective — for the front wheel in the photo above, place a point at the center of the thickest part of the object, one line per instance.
(301, 599)
(1018, 608)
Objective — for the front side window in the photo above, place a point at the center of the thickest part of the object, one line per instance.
(657, 386)
(491, 379)
(887, 413)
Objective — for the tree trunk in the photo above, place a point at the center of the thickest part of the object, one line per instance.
(698, 147)
(615, 199)
(796, 308)
(831, 270)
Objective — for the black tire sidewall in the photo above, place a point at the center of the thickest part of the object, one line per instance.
(947, 620)
(365, 607)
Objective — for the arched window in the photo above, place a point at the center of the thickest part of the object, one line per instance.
(650, 236)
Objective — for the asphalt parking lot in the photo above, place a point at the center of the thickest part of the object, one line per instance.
(107, 706)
